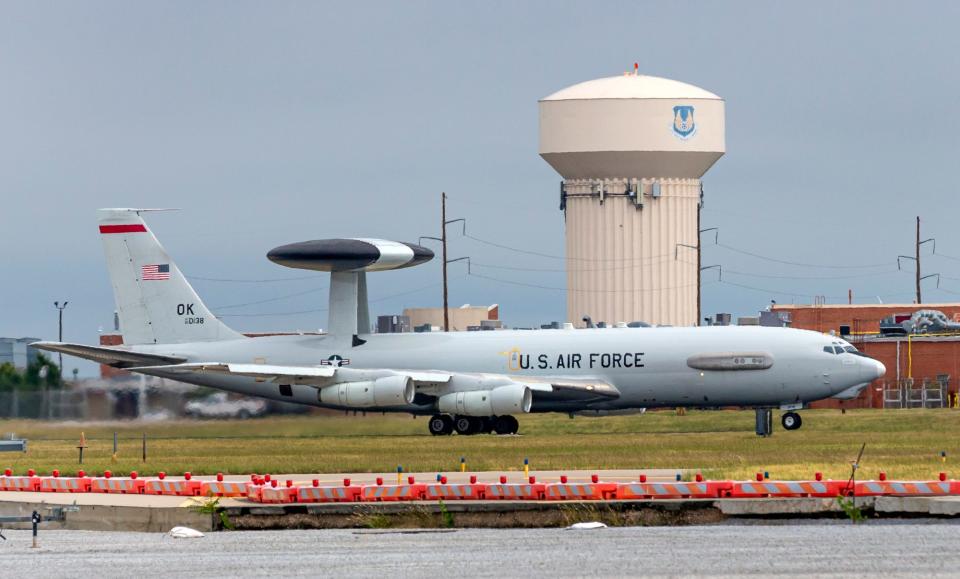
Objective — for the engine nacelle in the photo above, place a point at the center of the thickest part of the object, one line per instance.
(386, 391)
(512, 399)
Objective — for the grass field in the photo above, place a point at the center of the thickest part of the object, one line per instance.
(904, 443)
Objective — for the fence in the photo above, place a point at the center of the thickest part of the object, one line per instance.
(919, 393)
(48, 404)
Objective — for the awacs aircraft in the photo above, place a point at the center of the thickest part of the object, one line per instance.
(468, 382)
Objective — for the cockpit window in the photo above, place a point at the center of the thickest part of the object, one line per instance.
(855, 351)
(838, 349)
(828, 349)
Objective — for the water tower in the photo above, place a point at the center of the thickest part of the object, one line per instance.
(631, 150)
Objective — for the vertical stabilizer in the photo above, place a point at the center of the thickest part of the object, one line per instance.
(155, 303)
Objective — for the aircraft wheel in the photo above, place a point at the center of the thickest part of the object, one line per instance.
(467, 425)
(489, 423)
(479, 424)
(791, 421)
(506, 425)
(440, 424)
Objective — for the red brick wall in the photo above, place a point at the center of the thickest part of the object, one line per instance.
(106, 372)
(930, 357)
(831, 317)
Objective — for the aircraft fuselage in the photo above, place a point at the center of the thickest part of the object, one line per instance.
(650, 367)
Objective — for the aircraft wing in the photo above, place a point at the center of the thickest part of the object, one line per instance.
(259, 372)
(110, 356)
(558, 389)
(310, 375)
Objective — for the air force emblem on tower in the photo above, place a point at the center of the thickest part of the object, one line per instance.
(684, 125)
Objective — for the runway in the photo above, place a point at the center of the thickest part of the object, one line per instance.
(838, 549)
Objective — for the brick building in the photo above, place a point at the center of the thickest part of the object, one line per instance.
(910, 360)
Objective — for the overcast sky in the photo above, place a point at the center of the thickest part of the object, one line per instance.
(269, 123)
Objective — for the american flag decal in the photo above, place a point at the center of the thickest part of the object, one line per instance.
(157, 271)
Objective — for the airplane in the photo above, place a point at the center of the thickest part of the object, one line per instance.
(467, 382)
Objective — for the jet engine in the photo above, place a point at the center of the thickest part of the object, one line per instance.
(386, 391)
(504, 400)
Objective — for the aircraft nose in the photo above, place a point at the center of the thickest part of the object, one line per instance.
(871, 369)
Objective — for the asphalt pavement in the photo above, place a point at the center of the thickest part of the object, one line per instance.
(837, 549)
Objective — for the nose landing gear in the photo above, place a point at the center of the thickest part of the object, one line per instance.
(791, 421)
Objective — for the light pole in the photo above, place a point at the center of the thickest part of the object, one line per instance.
(60, 332)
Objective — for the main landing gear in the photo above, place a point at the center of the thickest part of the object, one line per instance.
(443, 424)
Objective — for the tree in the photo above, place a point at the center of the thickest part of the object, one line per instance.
(40, 374)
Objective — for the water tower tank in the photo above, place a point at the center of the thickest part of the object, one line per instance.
(631, 150)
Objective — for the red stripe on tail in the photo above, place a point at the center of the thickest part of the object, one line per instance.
(127, 228)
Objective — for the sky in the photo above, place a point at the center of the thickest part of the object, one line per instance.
(270, 123)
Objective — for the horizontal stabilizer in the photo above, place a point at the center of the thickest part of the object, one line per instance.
(110, 356)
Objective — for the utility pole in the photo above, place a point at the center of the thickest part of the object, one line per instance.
(700, 268)
(443, 240)
(916, 259)
(60, 333)
(919, 298)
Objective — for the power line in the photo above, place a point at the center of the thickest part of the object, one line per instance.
(273, 314)
(572, 269)
(661, 256)
(825, 277)
(799, 264)
(317, 310)
(559, 257)
(269, 300)
(732, 271)
(537, 286)
(268, 280)
(793, 294)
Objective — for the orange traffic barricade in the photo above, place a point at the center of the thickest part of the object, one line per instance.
(29, 483)
(672, 490)
(328, 494)
(768, 488)
(403, 492)
(165, 486)
(580, 491)
(440, 491)
(55, 484)
(253, 492)
(514, 491)
(873, 488)
(223, 488)
(119, 485)
(277, 494)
